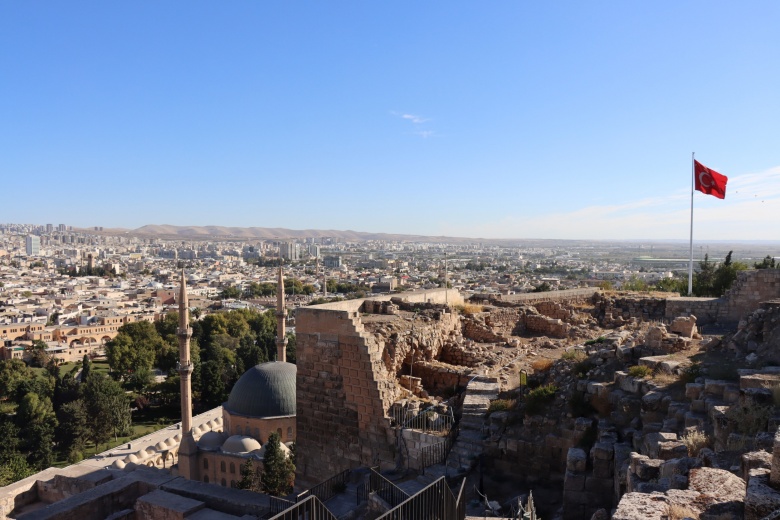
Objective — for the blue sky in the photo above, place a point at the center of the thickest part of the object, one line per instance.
(494, 119)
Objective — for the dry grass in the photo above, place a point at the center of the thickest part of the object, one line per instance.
(695, 441)
(542, 365)
(472, 308)
(665, 378)
(678, 512)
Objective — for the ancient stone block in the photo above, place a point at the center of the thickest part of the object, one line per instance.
(576, 460)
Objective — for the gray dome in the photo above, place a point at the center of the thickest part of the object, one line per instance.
(211, 441)
(240, 444)
(265, 390)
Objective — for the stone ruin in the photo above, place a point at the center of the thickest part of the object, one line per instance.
(369, 363)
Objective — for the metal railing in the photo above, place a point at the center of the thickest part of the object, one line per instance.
(327, 489)
(435, 502)
(279, 504)
(435, 453)
(378, 484)
(428, 420)
(309, 509)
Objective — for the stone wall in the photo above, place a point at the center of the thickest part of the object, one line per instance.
(344, 390)
(614, 311)
(415, 441)
(544, 326)
(750, 289)
(533, 298)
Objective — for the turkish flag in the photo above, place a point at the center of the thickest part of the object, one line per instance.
(709, 181)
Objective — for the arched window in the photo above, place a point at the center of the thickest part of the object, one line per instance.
(232, 483)
(279, 431)
(289, 433)
(222, 466)
(232, 468)
(206, 479)
(238, 430)
(224, 483)
(205, 463)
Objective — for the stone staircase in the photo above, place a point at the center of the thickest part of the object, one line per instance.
(468, 445)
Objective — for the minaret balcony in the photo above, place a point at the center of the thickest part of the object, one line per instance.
(184, 332)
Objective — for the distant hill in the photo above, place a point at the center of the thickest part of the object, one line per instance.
(260, 233)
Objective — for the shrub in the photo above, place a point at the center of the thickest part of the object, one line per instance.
(582, 368)
(749, 419)
(639, 371)
(574, 355)
(695, 441)
(500, 405)
(542, 364)
(538, 397)
(690, 373)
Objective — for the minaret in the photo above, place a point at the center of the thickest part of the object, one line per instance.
(281, 314)
(188, 450)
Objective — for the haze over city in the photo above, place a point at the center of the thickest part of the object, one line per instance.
(514, 120)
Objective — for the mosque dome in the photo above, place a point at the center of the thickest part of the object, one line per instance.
(211, 441)
(265, 390)
(240, 444)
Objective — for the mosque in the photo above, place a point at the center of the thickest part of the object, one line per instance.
(262, 402)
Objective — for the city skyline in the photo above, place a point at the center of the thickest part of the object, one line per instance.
(517, 121)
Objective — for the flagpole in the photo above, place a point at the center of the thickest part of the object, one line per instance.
(690, 245)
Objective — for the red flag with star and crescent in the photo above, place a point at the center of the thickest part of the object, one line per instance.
(709, 181)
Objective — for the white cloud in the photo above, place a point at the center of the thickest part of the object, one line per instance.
(414, 119)
(749, 212)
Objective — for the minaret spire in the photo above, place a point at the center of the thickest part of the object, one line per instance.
(281, 315)
(187, 450)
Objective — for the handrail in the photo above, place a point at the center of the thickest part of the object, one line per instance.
(309, 509)
(378, 484)
(435, 453)
(326, 489)
(434, 502)
(278, 504)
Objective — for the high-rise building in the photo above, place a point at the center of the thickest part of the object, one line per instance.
(290, 250)
(49, 228)
(32, 245)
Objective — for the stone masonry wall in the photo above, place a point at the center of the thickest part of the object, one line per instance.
(343, 391)
(750, 289)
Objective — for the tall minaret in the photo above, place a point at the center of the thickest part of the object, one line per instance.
(188, 450)
(281, 315)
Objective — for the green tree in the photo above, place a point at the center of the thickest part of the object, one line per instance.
(35, 416)
(250, 477)
(12, 373)
(137, 345)
(543, 287)
(715, 279)
(673, 285)
(86, 367)
(767, 263)
(278, 470)
(108, 410)
(38, 355)
(291, 347)
(72, 430)
(231, 292)
(635, 284)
